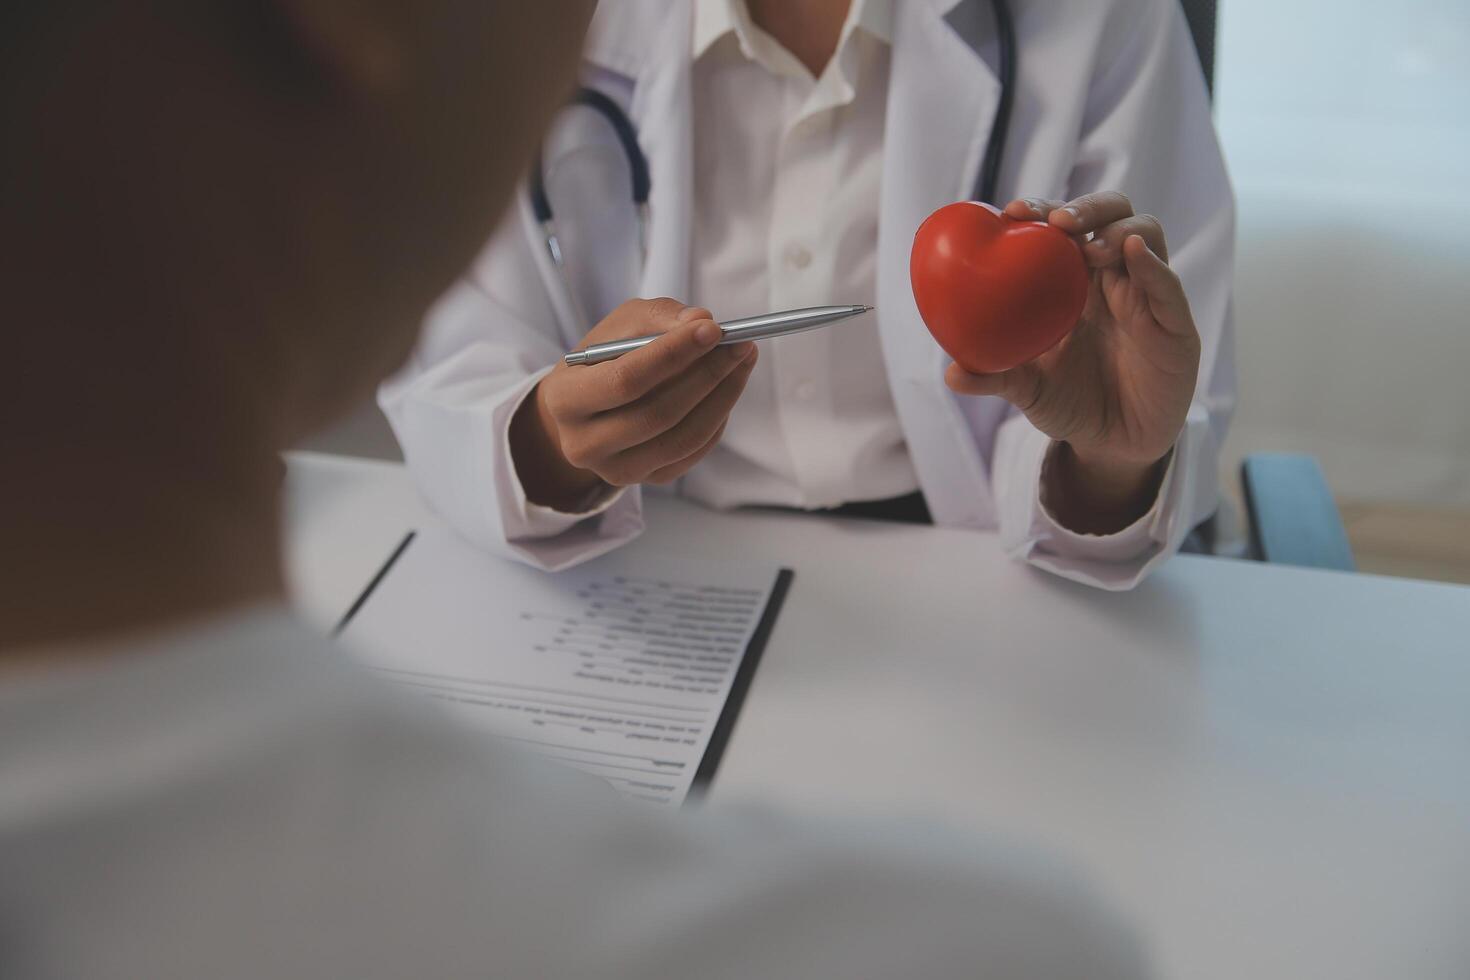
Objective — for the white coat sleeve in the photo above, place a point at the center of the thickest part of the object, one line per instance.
(485, 345)
(1147, 132)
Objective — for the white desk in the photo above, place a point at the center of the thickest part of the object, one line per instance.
(1269, 767)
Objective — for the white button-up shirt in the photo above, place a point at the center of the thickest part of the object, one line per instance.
(786, 216)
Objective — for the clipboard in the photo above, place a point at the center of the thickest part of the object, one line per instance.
(453, 557)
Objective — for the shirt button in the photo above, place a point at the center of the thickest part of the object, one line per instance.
(798, 256)
(805, 390)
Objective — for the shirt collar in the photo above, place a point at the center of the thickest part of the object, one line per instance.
(713, 19)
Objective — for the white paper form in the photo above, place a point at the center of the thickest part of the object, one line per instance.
(621, 666)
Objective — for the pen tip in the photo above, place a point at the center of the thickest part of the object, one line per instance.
(868, 309)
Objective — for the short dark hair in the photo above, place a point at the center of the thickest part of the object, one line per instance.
(35, 36)
(30, 33)
(27, 30)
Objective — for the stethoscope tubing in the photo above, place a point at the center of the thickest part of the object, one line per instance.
(987, 181)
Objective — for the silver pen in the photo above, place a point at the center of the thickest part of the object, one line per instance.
(736, 331)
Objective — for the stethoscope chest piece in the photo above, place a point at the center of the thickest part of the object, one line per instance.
(627, 136)
(986, 181)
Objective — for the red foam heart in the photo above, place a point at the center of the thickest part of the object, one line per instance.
(995, 292)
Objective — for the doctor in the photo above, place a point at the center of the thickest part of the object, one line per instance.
(794, 148)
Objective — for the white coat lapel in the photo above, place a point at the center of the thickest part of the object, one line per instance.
(646, 46)
(662, 111)
(942, 101)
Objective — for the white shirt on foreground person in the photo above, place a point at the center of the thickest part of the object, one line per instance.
(239, 800)
(800, 191)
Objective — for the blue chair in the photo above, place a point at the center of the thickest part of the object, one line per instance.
(1292, 516)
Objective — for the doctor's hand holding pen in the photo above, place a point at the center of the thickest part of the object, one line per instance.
(646, 417)
(1114, 393)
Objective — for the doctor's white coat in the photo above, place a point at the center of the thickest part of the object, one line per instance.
(1109, 95)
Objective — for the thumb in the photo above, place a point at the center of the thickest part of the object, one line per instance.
(1021, 386)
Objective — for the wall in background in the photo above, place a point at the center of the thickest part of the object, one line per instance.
(1347, 128)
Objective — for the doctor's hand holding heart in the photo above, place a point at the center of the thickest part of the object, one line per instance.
(1114, 390)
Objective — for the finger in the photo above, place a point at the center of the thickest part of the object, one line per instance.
(1031, 208)
(1160, 284)
(673, 471)
(630, 377)
(667, 405)
(692, 432)
(1106, 247)
(1022, 386)
(963, 382)
(1090, 212)
(634, 317)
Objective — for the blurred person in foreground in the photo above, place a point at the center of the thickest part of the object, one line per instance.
(221, 223)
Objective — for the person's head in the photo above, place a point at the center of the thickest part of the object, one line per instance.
(228, 216)
(220, 224)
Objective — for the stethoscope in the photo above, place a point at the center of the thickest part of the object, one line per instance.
(986, 181)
